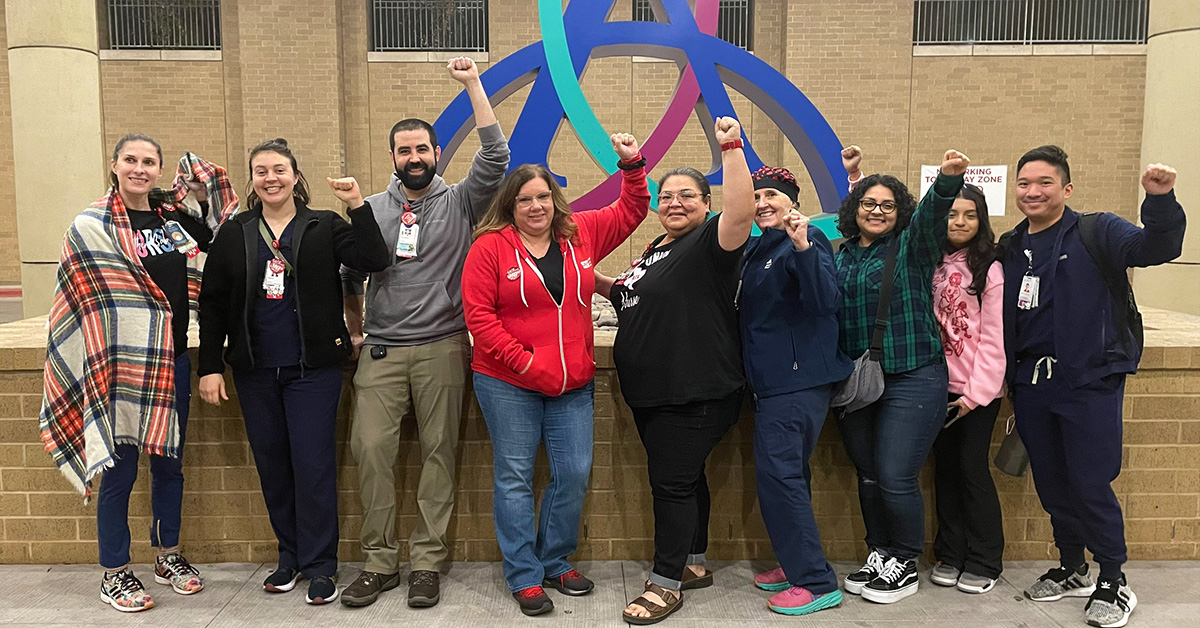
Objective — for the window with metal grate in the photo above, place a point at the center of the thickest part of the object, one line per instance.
(163, 24)
(429, 25)
(735, 22)
(1030, 21)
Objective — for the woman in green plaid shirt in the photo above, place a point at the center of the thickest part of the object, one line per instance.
(889, 440)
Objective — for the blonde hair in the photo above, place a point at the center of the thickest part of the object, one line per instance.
(500, 213)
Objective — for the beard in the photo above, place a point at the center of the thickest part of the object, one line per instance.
(417, 182)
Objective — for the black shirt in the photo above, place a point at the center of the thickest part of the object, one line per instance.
(677, 339)
(166, 266)
(1035, 327)
(550, 266)
(274, 323)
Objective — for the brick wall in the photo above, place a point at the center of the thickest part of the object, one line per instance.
(43, 521)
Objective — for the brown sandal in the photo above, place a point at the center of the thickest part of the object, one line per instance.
(657, 612)
(691, 581)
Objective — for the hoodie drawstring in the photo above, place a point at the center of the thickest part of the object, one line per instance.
(578, 276)
(520, 275)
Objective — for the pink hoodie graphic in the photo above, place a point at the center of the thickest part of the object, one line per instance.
(972, 336)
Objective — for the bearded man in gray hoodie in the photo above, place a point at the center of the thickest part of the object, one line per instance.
(415, 353)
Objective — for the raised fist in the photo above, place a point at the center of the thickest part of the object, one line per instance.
(346, 189)
(1158, 179)
(625, 145)
(851, 159)
(796, 225)
(728, 130)
(463, 69)
(197, 189)
(954, 163)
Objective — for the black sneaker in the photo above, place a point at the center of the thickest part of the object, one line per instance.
(855, 582)
(1061, 582)
(321, 590)
(533, 601)
(897, 581)
(423, 589)
(570, 583)
(1110, 604)
(281, 580)
(366, 588)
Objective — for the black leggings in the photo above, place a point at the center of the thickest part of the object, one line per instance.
(678, 439)
(969, 535)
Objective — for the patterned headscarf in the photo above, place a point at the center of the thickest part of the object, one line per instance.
(778, 179)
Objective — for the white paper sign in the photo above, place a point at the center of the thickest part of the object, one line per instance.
(993, 180)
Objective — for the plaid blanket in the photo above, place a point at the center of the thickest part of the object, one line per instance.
(110, 361)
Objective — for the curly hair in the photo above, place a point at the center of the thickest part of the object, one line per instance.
(906, 204)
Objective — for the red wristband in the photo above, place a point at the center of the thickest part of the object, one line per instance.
(731, 145)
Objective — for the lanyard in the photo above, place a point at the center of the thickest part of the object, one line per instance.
(273, 244)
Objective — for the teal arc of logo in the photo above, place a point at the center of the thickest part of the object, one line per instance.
(707, 64)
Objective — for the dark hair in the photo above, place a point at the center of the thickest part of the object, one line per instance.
(125, 139)
(1050, 154)
(412, 124)
(696, 176)
(279, 146)
(500, 212)
(981, 250)
(906, 205)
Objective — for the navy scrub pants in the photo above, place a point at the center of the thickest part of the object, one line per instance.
(291, 417)
(1073, 436)
(786, 428)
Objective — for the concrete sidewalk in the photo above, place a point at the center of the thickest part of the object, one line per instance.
(474, 596)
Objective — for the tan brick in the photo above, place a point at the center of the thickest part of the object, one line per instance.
(39, 529)
(1152, 506)
(1165, 457)
(34, 480)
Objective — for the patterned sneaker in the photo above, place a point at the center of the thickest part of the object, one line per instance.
(944, 575)
(1110, 604)
(124, 592)
(175, 570)
(1061, 582)
(855, 582)
(801, 601)
(897, 581)
(774, 580)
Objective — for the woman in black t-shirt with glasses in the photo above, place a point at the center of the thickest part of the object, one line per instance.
(679, 360)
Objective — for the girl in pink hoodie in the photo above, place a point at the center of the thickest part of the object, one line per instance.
(968, 290)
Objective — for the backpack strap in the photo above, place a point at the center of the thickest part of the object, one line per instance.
(885, 300)
(1115, 277)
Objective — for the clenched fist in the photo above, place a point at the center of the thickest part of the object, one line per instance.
(728, 130)
(463, 69)
(851, 160)
(1158, 179)
(954, 163)
(346, 189)
(796, 225)
(625, 145)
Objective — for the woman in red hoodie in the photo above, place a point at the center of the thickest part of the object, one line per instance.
(527, 287)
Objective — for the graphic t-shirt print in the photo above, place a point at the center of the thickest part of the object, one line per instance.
(152, 242)
(952, 311)
(632, 275)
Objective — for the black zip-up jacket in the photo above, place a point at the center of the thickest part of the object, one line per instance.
(322, 242)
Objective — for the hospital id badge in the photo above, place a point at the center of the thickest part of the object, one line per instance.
(1027, 298)
(406, 242)
(273, 279)
(183, 241)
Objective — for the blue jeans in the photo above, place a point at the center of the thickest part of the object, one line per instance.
(166, 486)
(786, 428)
(888, 442)
(518, 421)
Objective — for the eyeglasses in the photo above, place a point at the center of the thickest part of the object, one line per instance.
(868, 206)
(525, 202)
(684, 196)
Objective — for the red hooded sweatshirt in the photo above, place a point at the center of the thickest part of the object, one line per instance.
(521, 335)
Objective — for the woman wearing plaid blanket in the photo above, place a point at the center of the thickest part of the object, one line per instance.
(272, 288)
(890, 439)
(112, 392)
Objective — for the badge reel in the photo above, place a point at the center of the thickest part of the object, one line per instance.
(183, 241)
(406, 240)
(1027, 297)
(273, 279)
